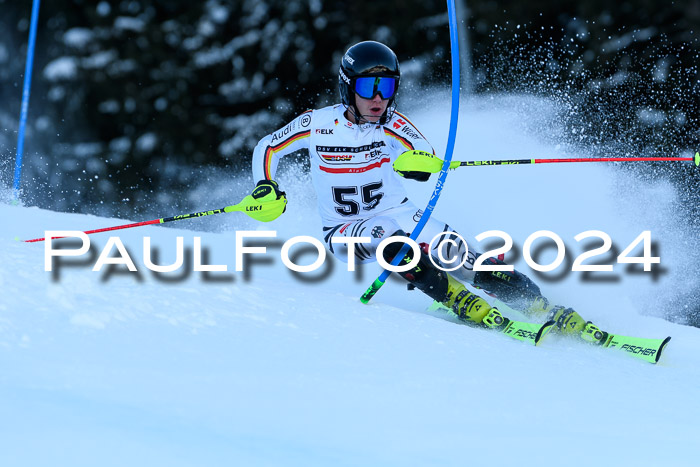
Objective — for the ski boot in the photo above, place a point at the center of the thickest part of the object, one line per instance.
(568, 322)
(539, 307)
(494, 319)
(471, 307)
(592, 333)
(443, 288)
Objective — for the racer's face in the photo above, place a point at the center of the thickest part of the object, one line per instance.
(372, 109)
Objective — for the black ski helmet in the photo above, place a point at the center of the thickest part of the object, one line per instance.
(368, 58)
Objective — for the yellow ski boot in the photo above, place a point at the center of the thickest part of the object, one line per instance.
(469, 306)
(567, 321)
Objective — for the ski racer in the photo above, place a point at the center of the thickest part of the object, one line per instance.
(352, 147)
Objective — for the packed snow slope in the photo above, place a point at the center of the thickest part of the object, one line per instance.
(266, 367)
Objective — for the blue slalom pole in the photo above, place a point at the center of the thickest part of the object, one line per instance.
(25, 95)
(452, 136)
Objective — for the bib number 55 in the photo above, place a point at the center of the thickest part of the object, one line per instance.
(347, 202)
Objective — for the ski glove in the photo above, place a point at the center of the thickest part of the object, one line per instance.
(266, 203)
(268, 190)
(417, 165)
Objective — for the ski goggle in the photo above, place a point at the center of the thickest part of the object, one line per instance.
(369, 86)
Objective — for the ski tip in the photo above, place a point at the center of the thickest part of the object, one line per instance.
(661, 349)
(697, 159)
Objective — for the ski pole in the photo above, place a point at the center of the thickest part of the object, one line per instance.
(258, 209)
(426, 162)
(456, 164)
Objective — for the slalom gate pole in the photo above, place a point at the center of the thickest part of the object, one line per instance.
(452, 135)
(264, 211)
(25, 97)
(455, 164)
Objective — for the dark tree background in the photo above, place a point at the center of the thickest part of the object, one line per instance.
(135, 101)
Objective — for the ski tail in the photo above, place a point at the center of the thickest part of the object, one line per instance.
(532, 333)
